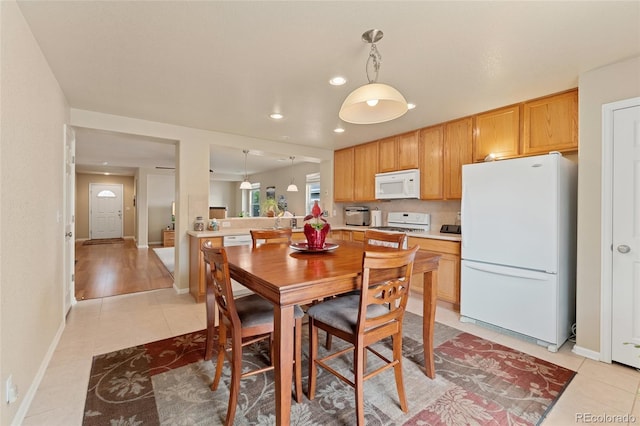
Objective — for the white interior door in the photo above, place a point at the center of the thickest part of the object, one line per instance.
(105, 210)
(69, 217)
(625, 307)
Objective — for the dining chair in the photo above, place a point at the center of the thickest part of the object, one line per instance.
(269, 236)
(364, 319)
(374, 240)
(244, 321)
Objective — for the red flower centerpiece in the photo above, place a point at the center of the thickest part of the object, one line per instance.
(316, 231)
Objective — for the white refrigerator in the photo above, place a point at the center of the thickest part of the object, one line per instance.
(519, 246)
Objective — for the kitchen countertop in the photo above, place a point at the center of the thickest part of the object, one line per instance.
(245, 231)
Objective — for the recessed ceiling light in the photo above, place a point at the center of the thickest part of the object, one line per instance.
(411, 106)
(107, 173)
(104, 163)
(276, 116)
(337, 81)
(338, 130)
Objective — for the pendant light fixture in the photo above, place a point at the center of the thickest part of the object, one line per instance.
(374, 102)
(292, 186)
(245, 183)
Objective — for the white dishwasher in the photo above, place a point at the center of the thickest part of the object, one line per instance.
(237, 240)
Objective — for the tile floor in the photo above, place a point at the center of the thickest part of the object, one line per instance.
(103, 325)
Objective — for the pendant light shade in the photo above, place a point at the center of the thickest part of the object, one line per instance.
(292, 186)
(374, 102)
(245, 183)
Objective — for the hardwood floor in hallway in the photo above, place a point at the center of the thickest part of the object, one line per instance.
(104, 270)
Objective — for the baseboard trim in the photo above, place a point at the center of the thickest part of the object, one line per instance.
(587, 353)
(31, 392)
(180, 290)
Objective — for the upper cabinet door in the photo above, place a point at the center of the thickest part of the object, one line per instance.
(551, 124)
(365, 167)
(408, 151)
(497, 132)
(431, 163)
(458, 140)
(343, 175)
(398, 152)
(388, 154)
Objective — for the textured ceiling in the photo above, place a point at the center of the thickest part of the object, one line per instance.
(225, 66)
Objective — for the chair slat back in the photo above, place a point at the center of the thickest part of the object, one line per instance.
(386, 277)
(219, 283)
(270, 236)
(374, 239)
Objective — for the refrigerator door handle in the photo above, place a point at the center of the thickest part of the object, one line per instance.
(509, 272)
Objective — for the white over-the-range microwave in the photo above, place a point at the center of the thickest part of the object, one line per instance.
(395, 185)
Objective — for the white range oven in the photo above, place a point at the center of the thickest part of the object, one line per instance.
(406, 222)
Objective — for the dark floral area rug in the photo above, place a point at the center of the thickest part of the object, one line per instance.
(477, 382)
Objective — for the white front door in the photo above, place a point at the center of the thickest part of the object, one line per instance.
(625, 307)
(106, 210)
(69, 217)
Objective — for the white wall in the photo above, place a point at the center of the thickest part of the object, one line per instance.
(161, 191)
(225, 194)
(603, 85)
(280, 178)
(33, 111)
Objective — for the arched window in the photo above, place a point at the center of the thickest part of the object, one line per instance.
(105, 193)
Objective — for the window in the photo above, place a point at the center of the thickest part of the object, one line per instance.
(313, 190)
(254, 200)
(105, 193)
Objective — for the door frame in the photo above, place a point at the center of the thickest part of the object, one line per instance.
(606, 253)
(69, 204)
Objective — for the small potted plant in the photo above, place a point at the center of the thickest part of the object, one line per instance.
(270, 207)
(316, 229)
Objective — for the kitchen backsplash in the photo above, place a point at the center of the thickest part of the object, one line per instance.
(442, 212)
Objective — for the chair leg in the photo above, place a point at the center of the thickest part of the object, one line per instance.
(313, 354)
(211, 308)
(236, 372)
(298, 359)
(208, 346)
(222, 342)
(397, 355)
(358, 359)
(327, 343)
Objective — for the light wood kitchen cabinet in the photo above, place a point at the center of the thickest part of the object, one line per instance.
(448, 269)
(357, 235)
(408, 149)
(497, 132)
(398, 152)
(168, 238)
(431, 163)
(298, 236)
(343, 174)
(458, 140)
(388, 154)
(550, 124)
(340, 234)
(197, 279)
(365, 167)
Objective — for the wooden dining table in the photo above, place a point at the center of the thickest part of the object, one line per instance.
(288, 277)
